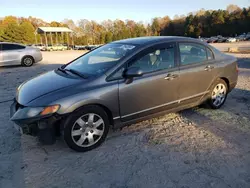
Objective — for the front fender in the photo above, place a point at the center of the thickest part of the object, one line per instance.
(106, 96)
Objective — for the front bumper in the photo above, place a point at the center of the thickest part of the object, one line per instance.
(30, 125)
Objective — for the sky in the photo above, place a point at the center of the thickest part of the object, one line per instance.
(99, 10)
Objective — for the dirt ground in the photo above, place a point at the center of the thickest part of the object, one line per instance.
(193, 148)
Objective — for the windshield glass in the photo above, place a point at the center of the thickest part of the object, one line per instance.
(101, 59)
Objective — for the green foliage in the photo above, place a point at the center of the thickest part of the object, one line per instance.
(230, 22)
(27, 29)
(204, 23)
(12, 33)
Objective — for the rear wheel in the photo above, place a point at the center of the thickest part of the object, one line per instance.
(27, 61)
(86, 129)
(218, 94)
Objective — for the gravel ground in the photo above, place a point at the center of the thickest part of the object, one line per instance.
(194, 148)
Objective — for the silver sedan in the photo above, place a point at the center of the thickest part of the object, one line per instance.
(17, 54)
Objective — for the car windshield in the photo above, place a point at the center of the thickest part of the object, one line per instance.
(100, 60)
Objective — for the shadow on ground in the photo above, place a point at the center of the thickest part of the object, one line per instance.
(244, 63)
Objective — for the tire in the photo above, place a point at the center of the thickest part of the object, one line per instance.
(218, 92)
(80, 134)
(27, 61)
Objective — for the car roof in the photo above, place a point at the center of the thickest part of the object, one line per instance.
(155, 39)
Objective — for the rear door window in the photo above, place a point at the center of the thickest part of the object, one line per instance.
(12, 47)
(191, 53)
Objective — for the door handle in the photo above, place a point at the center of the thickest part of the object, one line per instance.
(208, 68)
(171, 76)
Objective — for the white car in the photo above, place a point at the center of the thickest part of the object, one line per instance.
(231, 40)
(18, 54)
(42, 47)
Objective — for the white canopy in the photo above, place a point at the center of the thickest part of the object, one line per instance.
(53, 30)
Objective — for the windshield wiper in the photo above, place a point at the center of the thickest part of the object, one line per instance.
(76, 73)
(61, 69)
(73, 72)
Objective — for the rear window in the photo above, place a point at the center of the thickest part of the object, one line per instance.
(192, 53)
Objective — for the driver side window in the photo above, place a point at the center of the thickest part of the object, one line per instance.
(156, 59)
(152, 60)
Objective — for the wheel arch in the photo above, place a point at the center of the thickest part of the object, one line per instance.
(227, 81)
(105, 108)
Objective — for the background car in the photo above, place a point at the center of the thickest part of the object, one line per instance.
(42, 47)
(79, 47)
(56, 47)
(241, 37)
(212, 40)
(17, 54)
(221, 39)
(231, 39)
(204, 39)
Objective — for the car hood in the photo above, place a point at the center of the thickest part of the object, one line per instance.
(44, 84)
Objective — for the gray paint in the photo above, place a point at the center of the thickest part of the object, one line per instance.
(146, 95)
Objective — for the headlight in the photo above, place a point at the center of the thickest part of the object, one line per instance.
(50, 109)
(30, 112)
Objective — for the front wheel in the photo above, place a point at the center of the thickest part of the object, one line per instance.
(86, 128)
(218, 94)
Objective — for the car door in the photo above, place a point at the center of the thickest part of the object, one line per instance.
(11, 53)
(197, 71)
(157, 89)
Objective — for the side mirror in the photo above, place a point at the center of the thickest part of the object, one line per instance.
(132, 72)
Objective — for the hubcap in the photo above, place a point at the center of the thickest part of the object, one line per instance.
(27, 61)
(87, 130)
(219, 94)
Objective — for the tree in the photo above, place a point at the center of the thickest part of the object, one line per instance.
(232, 8)
(155, 27)
(12, 33)
(205, 23)
(108, 37)
(28, 32)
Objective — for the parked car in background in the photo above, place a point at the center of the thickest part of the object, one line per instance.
(248, 36)
(204, 39)
(221, 39)
(79, 47)
(42, 47)
(50, 47)
(231, 39)
(17, 54)
(121, 83)
(61, 47)
(56, 47)
(90, 47)
(212, 40)
(242, 37)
